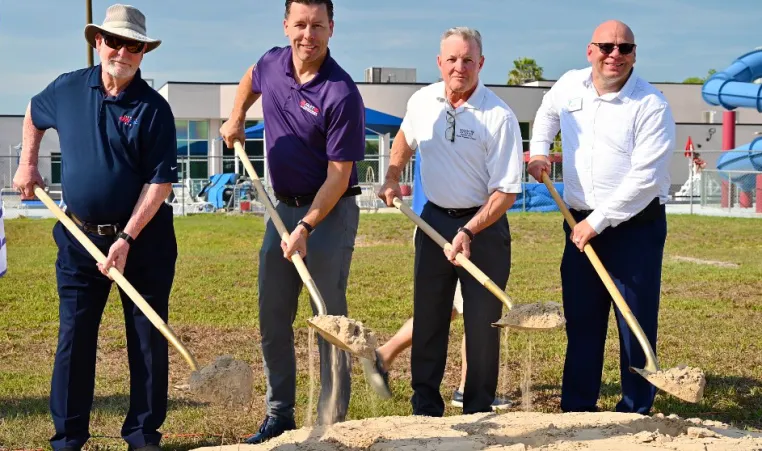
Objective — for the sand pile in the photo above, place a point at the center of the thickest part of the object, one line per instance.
(685, 382)
(345, 332)
(226, 381)
(515, 431)
(541, 315)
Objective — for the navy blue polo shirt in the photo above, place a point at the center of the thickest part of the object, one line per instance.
(110, 146)
(308, 125)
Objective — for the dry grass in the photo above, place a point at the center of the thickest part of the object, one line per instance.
(710, 318)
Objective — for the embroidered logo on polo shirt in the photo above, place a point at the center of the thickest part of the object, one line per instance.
(308, 107)
(128, 120)
(467, 134)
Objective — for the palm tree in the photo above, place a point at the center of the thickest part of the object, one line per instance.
(524, 70)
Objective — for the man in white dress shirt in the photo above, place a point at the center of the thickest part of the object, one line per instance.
(470, 146)
(618, 135)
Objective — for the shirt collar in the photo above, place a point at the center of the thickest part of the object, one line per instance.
(474, 102)
(323, 71)
(624, 95)
(95, 81)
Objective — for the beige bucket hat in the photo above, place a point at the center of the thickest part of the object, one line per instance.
(125, 21)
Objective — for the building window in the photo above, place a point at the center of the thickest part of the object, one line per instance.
(192, 149)
(255, 149)
(55, 167)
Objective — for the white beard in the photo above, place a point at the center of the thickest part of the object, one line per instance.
(120, 71)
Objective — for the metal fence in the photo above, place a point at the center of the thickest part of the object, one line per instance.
(696, 184)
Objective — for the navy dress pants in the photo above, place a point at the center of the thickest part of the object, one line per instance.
(632, 254)
(83, 292)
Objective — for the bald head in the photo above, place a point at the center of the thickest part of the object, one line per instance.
(613, 31)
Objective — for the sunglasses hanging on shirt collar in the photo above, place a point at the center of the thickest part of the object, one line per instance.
(450, 131)
(608, 47)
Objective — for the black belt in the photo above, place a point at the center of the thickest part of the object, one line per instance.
(96, 229)
(653, 211)
(300, 201)
(456, 212)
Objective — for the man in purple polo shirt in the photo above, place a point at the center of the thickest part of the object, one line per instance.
(315, 126)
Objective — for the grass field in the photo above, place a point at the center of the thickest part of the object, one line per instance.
(710, 318)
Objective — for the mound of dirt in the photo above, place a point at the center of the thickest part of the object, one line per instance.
(515, 431)
(346, 332)
(226, 381)
(540, 315)
(685, 382)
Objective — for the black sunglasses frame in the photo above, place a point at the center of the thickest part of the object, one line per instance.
(607, 48)
(450, 131)
(117, 42)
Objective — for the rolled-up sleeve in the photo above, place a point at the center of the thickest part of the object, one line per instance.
(504, 157)
(547, 124)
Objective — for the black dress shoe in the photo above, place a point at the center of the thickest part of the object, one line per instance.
(271, 427)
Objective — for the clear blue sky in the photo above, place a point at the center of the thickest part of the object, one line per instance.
(215, 40)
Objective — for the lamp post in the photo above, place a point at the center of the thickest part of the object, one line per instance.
(89, 14)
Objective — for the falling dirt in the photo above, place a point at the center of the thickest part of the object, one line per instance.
(353, 334)
(311, 360)
(526, 380)
(685, 382)
(226, 381)
(545, 315)
(328, 410)
(515, 431)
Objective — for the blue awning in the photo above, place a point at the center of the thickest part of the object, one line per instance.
(376, 123)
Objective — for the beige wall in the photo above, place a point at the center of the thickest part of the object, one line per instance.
(215, 101)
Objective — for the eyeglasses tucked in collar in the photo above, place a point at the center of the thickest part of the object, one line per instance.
(608, 47)
(450, 131)
(116, 43)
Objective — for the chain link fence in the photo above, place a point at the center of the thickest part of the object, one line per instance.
(697, 185)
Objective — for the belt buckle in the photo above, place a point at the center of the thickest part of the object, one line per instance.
(101, 229)
(452, 212)
(296, 201)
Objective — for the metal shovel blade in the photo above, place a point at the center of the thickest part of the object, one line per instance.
(682, 382)
(346, 334)
(538, 316)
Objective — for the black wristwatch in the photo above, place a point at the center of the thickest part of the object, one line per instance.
(307, 226)
(126, 237)
(467, 232)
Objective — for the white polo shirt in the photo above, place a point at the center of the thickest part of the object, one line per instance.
(485, 156)
(616, 147)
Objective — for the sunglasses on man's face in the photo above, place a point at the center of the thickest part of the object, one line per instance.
(117, 43)
(608, 47)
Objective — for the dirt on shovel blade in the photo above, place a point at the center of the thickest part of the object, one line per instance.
(684, 382)
(226, 382)
(541, 315)
(348, 334)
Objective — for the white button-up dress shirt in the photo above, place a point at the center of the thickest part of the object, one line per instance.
(616, 146)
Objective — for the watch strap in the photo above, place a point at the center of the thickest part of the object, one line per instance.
(125, 236)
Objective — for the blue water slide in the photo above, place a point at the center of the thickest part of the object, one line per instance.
(734, 88)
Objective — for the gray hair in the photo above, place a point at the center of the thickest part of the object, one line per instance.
(465, 33)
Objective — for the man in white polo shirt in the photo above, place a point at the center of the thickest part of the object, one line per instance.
(618, 135)
(470, 146)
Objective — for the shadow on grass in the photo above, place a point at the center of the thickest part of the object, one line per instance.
(114, 404)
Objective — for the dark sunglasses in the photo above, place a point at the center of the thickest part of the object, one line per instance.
(608, 47)
(117, 43)
(450, 131)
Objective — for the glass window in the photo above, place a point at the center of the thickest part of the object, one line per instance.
(198, 130)
(55, 168)
(182, 129)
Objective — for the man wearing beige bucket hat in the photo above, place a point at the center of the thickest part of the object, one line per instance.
(118, 163)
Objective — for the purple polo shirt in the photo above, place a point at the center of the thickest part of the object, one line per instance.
(308, 125)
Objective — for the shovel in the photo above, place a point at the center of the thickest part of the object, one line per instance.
(233, 375)
(529, 317)
(344, 333)
(682, 382)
